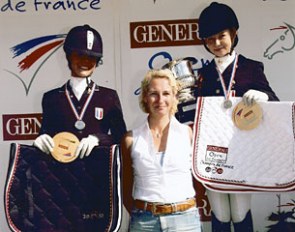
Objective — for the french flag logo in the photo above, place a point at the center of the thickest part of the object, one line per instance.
(32, 55)
(98, 113)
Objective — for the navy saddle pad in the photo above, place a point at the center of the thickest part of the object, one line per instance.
(42, 194)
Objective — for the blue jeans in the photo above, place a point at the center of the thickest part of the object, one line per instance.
(186, 221)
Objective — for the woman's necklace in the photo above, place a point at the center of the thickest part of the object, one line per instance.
(159, 131)
(158, 134)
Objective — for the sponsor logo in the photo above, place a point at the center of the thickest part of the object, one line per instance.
(40, 5)
(164, 33)
(284, 42)
(283, 216)
(29, 52)
(216, 154)
(21, 126)
(202, 202)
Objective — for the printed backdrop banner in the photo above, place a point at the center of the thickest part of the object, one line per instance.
(137, 35)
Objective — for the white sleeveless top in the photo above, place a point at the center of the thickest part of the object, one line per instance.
(170, 181)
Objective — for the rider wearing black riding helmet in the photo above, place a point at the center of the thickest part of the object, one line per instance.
(93, 46)
(93, 113)
(229, 74)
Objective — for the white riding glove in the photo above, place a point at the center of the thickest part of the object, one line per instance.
(86, 145)
(44, 143)
(252, 96)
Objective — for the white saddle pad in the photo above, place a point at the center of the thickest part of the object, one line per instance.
(226, 158)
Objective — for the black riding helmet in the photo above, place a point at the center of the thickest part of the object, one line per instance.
(216, 18)
(84, 40)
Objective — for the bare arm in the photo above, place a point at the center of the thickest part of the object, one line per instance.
(126, 145)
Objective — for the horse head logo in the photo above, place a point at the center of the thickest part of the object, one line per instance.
(285, 42)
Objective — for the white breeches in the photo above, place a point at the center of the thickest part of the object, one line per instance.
(229, 206)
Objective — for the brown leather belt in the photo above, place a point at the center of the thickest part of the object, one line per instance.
(165, 208)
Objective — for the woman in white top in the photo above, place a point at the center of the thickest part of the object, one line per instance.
(157, 181)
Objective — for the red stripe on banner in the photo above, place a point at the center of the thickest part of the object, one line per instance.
(35, 55)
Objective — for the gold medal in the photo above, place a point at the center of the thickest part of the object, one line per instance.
(247, 117)
(65, 145)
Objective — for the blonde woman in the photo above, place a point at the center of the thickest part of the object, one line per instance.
(157, 180)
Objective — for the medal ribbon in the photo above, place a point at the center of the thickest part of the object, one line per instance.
(79, 117)
(232, 77)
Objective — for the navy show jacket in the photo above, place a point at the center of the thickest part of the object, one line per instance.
(249, 75)
(103, 116)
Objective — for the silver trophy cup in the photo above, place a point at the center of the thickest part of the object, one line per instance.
(184, 74)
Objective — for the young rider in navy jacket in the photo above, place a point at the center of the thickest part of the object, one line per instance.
(93, 113)
(226, 75)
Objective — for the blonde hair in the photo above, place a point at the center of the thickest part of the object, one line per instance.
(158, 73)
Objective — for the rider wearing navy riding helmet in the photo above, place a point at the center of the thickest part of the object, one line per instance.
(229, 74)
(211, 24)
(93, 43)
(93, 113)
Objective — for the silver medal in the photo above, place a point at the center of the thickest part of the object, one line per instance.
(227, 104)
(80, 125)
